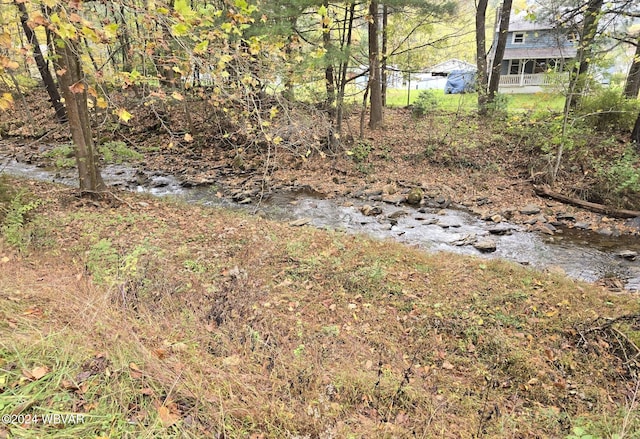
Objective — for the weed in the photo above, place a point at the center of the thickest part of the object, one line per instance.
(102, 262)
(194, 266)
(17, 214)
(62, 156)
(360, 151)
(118, 152)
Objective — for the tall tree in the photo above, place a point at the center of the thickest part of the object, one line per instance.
(632, 84)
(375, 83)
(501, 43)
(481, 55)
(41, 63)
(74, 90)
(578, 76)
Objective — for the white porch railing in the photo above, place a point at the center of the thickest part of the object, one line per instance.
(532, 79)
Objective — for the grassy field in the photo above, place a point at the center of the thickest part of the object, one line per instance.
(469, 101)
(151, 318)
(314, 92)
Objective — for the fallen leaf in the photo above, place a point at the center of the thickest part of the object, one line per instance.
(549, 354)
(5, 259)
(36, 373)
(135, 371)
(233, 360)
(166, 417)
(160, 353)
(33, 311)
(68, 385)
(447, 365)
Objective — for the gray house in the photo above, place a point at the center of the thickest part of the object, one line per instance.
(537, 55)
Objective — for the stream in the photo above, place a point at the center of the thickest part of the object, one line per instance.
(580, 254)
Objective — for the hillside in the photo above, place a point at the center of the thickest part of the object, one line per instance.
(152, 318)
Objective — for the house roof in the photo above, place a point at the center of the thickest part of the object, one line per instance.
(452, 64)
(540, 53)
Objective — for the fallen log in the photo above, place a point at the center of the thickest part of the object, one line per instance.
(594, 207)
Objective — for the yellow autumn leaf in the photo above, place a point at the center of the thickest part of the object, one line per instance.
(8, 63)
(90, 34)
(6, 101)
(123, 114)
(177, 96)
(188, 137)
(201, 47)
(5, 40)
(101, 103)
(277, 140)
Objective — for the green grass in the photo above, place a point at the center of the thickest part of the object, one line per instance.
(469, 101)
(314, 92)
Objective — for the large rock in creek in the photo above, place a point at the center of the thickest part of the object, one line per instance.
(530, 209)
(485, 245)
(368, 210)
(415, 196)
(628, 254)
(394, 199)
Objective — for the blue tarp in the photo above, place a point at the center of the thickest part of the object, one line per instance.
(460, 81)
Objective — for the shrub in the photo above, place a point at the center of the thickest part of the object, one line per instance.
(425, 102)
(607, 109)
(500, 104)
(360, 151)
(620, 178)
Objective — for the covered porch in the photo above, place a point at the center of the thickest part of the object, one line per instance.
(532, 70)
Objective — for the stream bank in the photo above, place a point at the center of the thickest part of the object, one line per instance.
(435, 224)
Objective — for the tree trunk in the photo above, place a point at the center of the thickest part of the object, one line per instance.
(385, 37)
(578, 77)
(632, 85)
(45, 73)
(481, 55)
(635, 134)
(329, 77)
(375, 86)
(70, 76)
(496, 67)
(344, 65)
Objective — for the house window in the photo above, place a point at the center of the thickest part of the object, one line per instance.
(572, 37)
(514, 67)
(518, 38)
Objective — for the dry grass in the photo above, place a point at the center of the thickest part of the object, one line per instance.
(159, 319)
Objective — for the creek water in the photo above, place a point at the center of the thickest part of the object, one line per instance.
(580, 254)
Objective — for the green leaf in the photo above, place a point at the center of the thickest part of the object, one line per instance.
(180, 29)
(201, 47)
